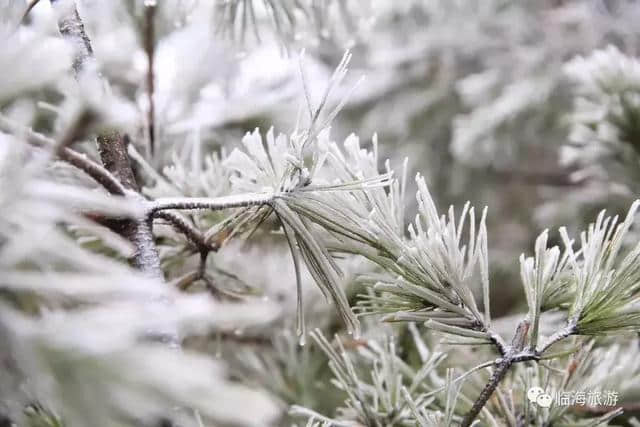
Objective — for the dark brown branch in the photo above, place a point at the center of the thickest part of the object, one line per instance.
(80, 161)
(30, 6)
(202, 266)
(113, 153)
(219, 292)
(194, 235)
(112, 146)
(136, 231)
(514, 354)
(502, 367)
(149, 47)
(94, 170)
(186, 280)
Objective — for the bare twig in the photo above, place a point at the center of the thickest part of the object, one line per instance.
(30, 6)
(149, 47)
(501, 369)
(202, 266)
(200, 274)
(183, 282)
(94, 170)
(112, 148)
(75, 130)
(219, 291)
(255, 340)
(101, 175)
(194, 235)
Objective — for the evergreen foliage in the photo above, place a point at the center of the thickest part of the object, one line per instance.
(164, 249)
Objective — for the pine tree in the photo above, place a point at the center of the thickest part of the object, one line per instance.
(164, 249)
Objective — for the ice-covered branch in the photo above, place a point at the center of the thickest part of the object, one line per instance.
(515, 353)
(112, 145)
(194, 235)
(202, 203)
(72, 28)
(563, 333)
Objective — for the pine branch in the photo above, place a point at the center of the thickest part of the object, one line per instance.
(498, 342)
(101, 175)
(194, 235)
(202, 203)
(146, 257)
(112, 146)
(113, 153)
(136, 231)
(513, 355)
(563, 333)
(498, 374)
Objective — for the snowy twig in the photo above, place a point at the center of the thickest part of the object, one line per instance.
(218, 203)
(149, 47)
(101, 175)
(513, 355)
(563, 333)
(181, 224)
(30, 6)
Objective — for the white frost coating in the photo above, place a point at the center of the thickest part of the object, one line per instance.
(146, 257)
(218, 203)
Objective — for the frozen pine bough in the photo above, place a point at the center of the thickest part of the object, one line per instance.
(159, 267)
